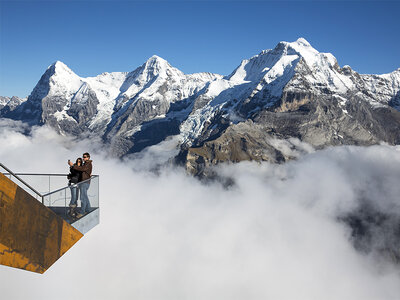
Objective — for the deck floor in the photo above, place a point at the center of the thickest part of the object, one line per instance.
(63, 212)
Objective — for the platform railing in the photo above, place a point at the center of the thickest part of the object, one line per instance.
(62, 196)
(53, 190)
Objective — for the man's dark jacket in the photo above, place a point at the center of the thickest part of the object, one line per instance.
(86, 169)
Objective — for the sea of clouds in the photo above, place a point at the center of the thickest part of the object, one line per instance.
(276, 233)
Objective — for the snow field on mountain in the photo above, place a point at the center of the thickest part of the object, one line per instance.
(64, 82)
(106, 86)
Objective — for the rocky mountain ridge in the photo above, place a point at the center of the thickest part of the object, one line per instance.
(266, 109)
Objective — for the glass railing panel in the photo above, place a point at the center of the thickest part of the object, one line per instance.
(45, 183)
(93, 192)
(41, 183)
(59, 200)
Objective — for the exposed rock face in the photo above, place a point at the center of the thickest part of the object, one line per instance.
(266, 109)
(242, 141)
(318, 121)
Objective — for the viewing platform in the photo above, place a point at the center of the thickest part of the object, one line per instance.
(35, 225)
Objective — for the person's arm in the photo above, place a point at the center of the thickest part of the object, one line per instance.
(85, 168)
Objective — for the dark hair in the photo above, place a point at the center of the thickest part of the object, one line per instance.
(79, 159)
(87, 154)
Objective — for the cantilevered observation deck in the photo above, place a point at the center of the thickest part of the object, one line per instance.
(35, 228)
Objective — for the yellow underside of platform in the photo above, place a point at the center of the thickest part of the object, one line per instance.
(32, 237)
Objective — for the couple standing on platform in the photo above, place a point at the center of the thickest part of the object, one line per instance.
(80, 172)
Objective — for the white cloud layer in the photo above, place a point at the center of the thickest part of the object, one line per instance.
(275, 234)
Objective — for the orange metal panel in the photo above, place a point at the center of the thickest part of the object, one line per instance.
(34, 235)
(9, 257)
(7, 190)
(69, 237)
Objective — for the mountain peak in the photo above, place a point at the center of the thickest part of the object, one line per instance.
(59, 63)
(309, 54)
(303, 42)
(301, 46)
(155, 58)
(58, 66)
(58, 79)
(156, 63)
(60, 69)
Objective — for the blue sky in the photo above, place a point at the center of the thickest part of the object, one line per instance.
(92, 37)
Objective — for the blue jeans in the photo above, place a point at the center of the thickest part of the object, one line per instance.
(74, 195)
(85, 204)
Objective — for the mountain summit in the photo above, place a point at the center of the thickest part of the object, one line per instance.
(282, 95)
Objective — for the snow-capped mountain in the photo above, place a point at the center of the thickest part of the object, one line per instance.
(114, 105)
(291, 91)
(261, 81)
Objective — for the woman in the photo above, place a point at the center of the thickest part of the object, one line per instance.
(74, 177)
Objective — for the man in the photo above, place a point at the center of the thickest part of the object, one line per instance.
(86, 170)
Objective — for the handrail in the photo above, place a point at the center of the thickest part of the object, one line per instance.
(40, 174)
(37, 174)
(72, 185)
(31, 188)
